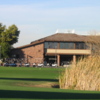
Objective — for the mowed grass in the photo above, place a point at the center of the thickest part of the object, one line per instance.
(24, 83)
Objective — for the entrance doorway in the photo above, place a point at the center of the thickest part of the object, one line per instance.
(50, 60)
(66, 59)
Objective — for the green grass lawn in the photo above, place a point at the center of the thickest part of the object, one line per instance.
(24, 83)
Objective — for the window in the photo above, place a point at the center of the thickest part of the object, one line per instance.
(62, 45)
(51, 45)
(77, 45)
(70, 45)
(81, 46)
(46, 45)
(66, 45)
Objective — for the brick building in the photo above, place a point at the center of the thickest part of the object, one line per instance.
(57, 48)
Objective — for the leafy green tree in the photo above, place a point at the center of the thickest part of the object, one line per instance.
(7, 38)
(5, 49)
(12, 34)
(2, 29)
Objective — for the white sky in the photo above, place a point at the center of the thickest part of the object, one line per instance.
(39, 18)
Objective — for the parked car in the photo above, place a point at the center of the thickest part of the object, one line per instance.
(66, 63)
(34, 65)
(26, 64)
(13, 64)
(5, 64)
(48, 64)
(54, 65)
(40, 65)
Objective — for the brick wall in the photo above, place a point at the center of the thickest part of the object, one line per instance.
(31, 54)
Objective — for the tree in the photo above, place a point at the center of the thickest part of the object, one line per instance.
(2, 29)
(5, 49)
(10, 35)
(7, 38)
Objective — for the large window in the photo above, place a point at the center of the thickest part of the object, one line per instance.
(81, 45)
(46, 45)
(51, 45)
(66, 45)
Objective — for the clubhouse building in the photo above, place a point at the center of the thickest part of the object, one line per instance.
(57, 48)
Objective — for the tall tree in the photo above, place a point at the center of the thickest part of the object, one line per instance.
(2, 29)
(7, 38)
(10, 35)
(5, 49)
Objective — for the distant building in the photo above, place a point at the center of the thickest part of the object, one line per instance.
(57, 48)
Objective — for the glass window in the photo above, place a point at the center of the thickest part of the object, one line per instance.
(78, 45)
(81, 46)
(46, 45)
(66, 45)
(55, 45)
(62, 45)
(70, 45)
(51, 45)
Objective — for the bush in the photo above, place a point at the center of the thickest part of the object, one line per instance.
(85, 75)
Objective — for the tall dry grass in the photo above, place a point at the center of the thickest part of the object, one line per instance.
(85, 75)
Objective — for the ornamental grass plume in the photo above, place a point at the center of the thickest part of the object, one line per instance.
(85, 75)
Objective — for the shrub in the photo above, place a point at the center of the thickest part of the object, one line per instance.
(85, 75)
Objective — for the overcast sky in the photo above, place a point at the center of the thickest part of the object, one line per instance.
(40, 18)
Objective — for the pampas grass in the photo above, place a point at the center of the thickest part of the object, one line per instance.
(85, 75)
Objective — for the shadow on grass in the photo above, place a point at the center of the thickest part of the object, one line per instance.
(31, 79)
(46, 95)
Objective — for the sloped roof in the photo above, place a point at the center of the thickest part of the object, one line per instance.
(68, 37)
(63, 37)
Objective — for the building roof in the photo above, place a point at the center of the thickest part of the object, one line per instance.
(64, 37)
